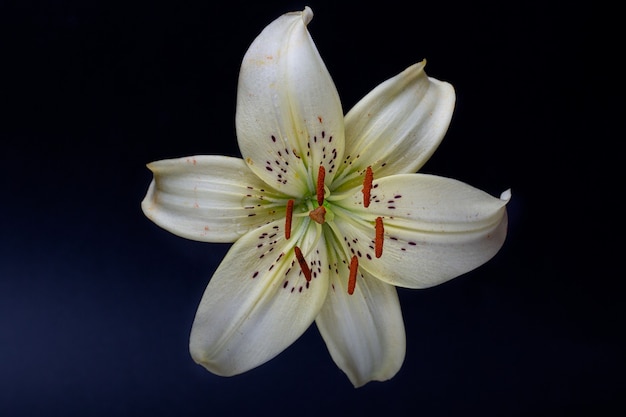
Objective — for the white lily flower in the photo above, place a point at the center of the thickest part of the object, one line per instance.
(325, 212)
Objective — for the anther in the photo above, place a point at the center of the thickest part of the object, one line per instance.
(378, 242)
(303, 265)
(367, 186)
(288, 216)
(354, 267)
(321, 174)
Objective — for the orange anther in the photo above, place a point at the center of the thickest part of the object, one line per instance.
(303, 265)
(378, 242)
(367, 186)
(354, 267)
(288, 216)
(321, 174)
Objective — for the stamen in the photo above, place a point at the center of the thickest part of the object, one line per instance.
(303, 265)
(288, 215)
(367, 186)
(378, 243)
(354, 267)
(321, 174)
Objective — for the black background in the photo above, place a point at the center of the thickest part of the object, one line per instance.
(96, 302)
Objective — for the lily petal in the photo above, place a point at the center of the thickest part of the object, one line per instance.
(398, 125)
(364, 332)
(289, 118)
(435, 228)
(209, 198)
(258, 301)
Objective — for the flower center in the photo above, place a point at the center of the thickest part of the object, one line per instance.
(318, 215)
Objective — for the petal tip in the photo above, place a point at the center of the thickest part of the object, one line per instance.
(307, 15)
(506, 195)
(416, 68)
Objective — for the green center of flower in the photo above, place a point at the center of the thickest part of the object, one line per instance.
(323, 213)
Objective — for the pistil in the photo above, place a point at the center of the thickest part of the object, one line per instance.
(367, 186)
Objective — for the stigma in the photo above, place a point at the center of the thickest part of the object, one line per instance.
(318, 215)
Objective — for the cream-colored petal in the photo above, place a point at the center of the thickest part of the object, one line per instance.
(258, 301)
(364, 331)
(289, 118)
(209, 198)
(398, 125)
(435, 228)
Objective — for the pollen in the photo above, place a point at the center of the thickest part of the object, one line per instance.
(354, 267)
(303, 265)
(288, 216)
(378, 242)
(320, 185)
(367, 186)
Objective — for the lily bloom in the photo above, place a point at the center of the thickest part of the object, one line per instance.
(326, 212)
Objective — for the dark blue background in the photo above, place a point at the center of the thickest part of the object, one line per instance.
(96, 302)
